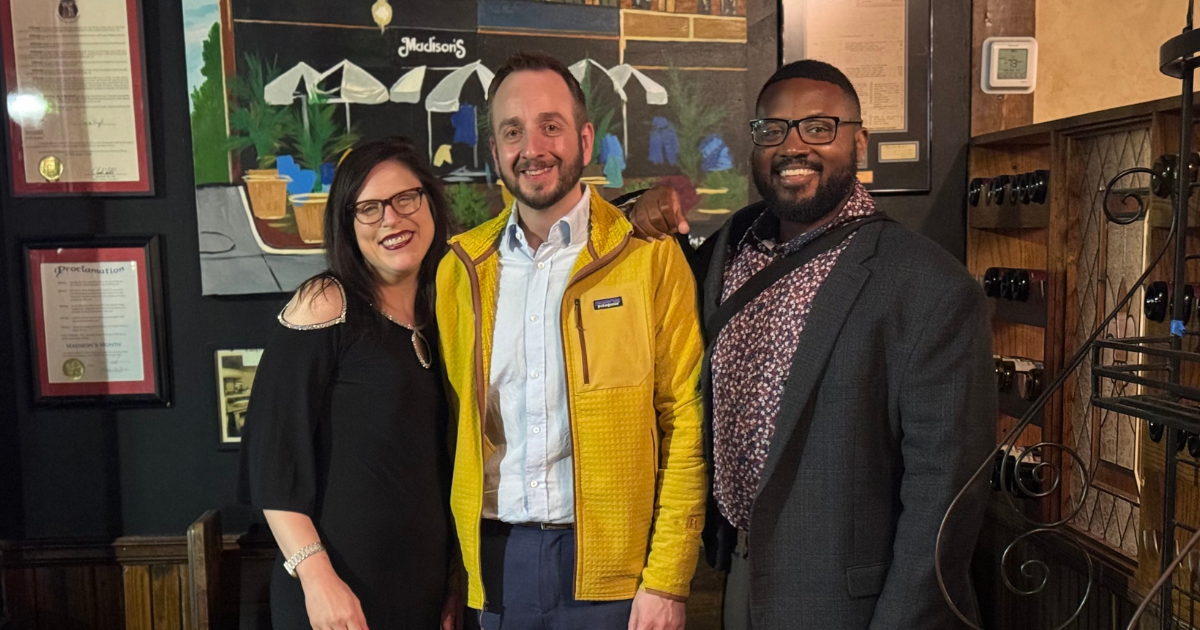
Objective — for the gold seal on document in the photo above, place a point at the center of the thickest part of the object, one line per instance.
(73, 369)
(51, 168)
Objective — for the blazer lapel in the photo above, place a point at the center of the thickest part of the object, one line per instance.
(830, 308)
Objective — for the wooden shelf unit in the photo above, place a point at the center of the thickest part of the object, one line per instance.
(1090, 264)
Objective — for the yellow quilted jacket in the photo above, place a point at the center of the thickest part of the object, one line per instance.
(635, 409)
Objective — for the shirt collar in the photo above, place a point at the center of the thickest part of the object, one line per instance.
(566, 230)
(764, 232)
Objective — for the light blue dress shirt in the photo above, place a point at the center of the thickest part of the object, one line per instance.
(530, 477)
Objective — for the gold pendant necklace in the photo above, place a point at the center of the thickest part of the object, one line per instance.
(420, 345)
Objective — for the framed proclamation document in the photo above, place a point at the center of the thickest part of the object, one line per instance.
(96, 322)
(74, 73)
(883, 46)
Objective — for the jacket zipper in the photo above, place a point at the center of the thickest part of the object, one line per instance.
(582, 341)
(583, 273)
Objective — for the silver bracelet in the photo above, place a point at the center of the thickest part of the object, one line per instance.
(301, 556)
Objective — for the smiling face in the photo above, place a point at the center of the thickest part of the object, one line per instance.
(803, 183)
(395, 246)
(537, 144)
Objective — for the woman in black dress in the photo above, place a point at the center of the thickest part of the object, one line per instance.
(345, 447)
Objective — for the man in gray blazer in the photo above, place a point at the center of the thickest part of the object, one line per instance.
(848, 400)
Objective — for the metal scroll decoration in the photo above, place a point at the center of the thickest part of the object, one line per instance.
(1173, 406)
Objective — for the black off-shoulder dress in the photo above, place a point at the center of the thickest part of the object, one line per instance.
(351, 430)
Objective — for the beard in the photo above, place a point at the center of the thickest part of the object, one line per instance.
(831, 190)
(569, 173)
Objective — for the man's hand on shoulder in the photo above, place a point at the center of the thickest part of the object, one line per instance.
(656, 214)
(655, 612)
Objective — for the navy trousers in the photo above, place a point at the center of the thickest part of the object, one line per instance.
(529, 581)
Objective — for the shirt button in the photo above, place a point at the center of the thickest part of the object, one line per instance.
(532, 484)
(537, 429)
(541, 265)
(533, 318)
(533, 374)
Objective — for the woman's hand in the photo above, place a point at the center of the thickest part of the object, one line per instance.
(452, 611)
(331, 604)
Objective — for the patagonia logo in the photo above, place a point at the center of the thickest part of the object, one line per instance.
(612, 302)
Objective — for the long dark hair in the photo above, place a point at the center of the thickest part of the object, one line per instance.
(346, 262)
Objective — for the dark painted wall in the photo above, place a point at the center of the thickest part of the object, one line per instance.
(98, 472)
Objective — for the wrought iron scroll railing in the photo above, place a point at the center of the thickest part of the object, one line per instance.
(1139, 377)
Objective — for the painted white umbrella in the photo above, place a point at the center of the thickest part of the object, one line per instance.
(407, 89)
(356, 86)
(655, 93)
(283, 90)
(579, 71)
(445, 95)
(286, 88)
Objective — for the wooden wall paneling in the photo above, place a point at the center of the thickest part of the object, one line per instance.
(187, 622)
(79, 603)
(134, 583)
(992, 18)
(51, 594)
(20, 587)
(164, 596)
(1109, 603)
(110, 597)
(138, 598)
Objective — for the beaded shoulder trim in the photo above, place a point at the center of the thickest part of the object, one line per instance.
(341, 319)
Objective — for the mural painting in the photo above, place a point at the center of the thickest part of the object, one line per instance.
(280, 91)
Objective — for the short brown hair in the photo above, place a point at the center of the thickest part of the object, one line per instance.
(536, 60)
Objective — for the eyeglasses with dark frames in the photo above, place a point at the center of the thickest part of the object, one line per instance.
(814, 130)
(404, 203)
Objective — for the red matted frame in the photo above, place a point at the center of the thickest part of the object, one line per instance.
(154, 389)
(137, 61)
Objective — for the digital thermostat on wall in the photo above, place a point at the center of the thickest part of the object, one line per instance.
(1009, 65)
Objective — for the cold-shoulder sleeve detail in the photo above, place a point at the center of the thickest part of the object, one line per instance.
(340, 319)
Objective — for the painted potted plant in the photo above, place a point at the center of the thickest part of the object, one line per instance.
(321, 141)
(263, 127)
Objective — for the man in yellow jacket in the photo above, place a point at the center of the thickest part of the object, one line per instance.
(572, 353)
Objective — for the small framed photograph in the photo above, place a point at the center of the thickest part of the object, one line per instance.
(235, 378)
(96, 321)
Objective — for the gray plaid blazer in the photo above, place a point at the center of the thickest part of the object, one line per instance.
(889, 408)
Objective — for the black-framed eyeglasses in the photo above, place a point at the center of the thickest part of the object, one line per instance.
(405, 202)
(815, 130)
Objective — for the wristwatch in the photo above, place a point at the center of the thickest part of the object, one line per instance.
(301, 556)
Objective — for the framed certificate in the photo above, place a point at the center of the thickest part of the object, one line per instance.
(883, 47)
(74, 73)
(96, 321)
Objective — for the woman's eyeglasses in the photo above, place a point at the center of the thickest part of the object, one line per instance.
(404, 203)
(817, 130)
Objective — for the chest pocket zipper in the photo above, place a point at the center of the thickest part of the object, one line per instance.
(582, 342)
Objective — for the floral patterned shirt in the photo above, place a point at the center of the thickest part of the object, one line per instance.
(753, 355)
